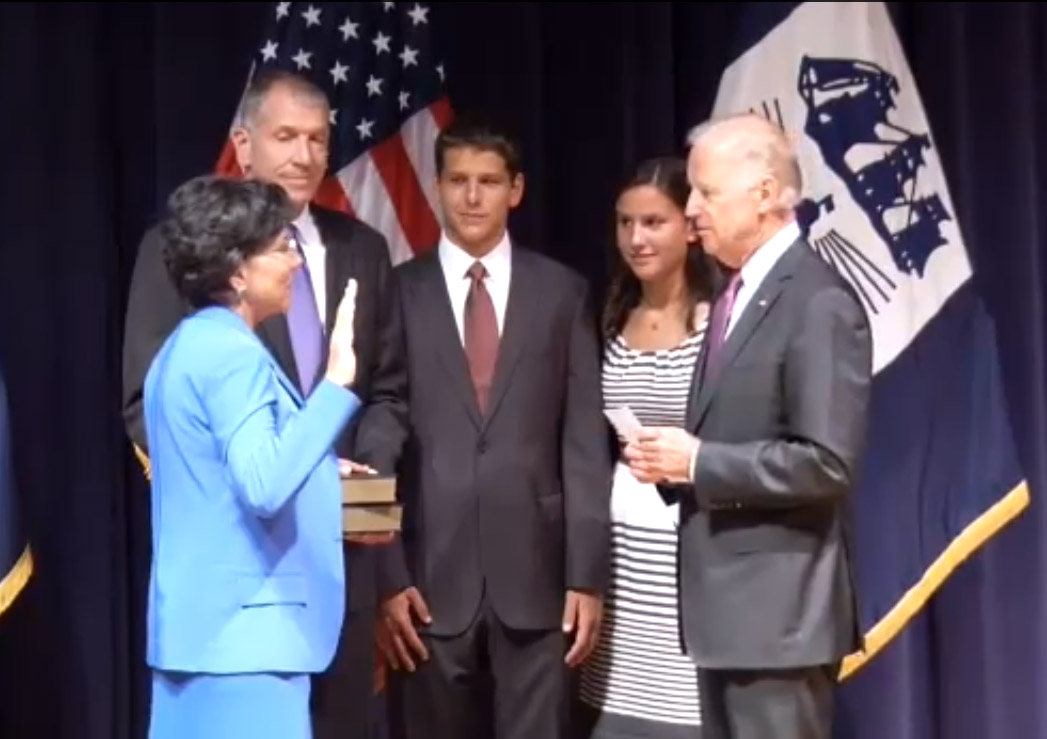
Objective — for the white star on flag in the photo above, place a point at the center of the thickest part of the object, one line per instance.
(302, 59)
(348, 29)
(409, 57)
(311, 16)
(418, 14)
(338, 72)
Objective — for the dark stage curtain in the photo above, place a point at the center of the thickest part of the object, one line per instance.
(108, 106)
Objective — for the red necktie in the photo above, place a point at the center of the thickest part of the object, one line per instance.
(481, 335)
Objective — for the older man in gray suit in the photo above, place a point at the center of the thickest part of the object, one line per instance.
(774, 439)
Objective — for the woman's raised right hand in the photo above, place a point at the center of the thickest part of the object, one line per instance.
(341, 361)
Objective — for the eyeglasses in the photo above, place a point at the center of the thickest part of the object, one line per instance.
(286, 245)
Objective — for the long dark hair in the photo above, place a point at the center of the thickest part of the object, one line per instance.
(669, 176)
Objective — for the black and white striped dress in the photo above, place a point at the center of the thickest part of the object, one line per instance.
(637, 677)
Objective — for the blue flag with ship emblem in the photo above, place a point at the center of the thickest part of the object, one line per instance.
(941, 475)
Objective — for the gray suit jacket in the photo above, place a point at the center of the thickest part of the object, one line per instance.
(766, 560)
(513, 505)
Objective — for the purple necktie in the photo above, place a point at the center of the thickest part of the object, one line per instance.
(303, 320)
(721, 318)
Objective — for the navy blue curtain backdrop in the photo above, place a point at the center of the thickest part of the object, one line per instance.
(108, 106)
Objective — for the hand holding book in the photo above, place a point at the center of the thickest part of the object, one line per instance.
(370, 514)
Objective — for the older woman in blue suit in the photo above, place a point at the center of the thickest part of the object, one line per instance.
(246, 591)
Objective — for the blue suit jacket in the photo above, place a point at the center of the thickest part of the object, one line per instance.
(247, 572)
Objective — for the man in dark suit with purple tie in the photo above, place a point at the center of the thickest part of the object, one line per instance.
(505, 476)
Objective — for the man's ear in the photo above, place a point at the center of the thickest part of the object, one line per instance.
(241, 141)
(770, 195)
(516, 195)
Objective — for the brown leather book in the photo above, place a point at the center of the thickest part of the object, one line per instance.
(364, 489)
(371, 519)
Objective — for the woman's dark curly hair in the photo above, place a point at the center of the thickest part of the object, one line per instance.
(212, 225)
(669, 176)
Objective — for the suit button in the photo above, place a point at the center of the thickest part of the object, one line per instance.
(481, 446)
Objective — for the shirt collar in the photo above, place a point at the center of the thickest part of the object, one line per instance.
(307, 228)
(456, 261)
(764, 258)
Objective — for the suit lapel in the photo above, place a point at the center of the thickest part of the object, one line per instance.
(518, 316)
(758, 307)
(697, 384)
(338, 266)
(437, 304)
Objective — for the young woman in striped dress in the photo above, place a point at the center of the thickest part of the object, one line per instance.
(638, 682)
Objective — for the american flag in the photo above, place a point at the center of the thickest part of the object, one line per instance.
(377, 64)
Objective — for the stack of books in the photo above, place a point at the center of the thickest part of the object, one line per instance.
(369, 504)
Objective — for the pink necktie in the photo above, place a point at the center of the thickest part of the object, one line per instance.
(721, 319)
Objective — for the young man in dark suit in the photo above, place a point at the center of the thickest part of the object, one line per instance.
(771, 453)
(495, 589)
(283, 138)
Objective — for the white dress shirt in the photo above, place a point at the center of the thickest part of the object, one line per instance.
(759, 265)
(456, 262)
(315, 259)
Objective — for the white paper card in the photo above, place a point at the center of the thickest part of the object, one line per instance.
(624, 421)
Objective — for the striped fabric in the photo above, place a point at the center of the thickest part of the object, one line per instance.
(638, 669)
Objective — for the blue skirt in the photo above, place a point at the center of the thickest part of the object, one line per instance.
(257, 706)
